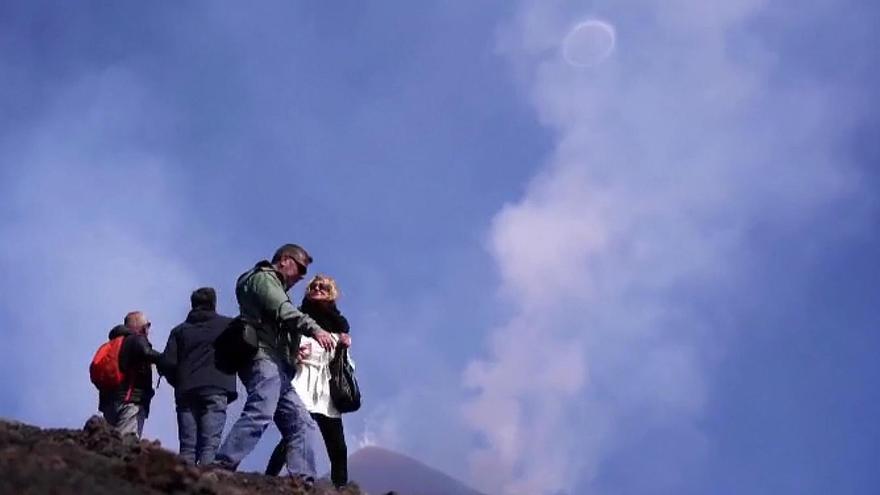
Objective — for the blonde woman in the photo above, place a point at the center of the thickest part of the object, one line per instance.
(312, 380)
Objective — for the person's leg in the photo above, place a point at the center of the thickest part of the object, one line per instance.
(263, 383)
(334, 440)
(277, 459)
(212, 418)
(186, 430)
(295, 425)
(109, 412)
(127, 416)
(143, 412)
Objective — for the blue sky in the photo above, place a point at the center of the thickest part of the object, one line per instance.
(655, 274)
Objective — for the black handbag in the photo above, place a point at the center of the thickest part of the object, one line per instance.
(236, 346)
(344, 390)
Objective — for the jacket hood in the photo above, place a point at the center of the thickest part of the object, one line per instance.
(118, 331)
(200, 315)
(263, 265)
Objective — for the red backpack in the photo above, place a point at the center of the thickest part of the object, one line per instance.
(104, 370)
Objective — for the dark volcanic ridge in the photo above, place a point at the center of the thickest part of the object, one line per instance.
(97, 461)
(379, 470)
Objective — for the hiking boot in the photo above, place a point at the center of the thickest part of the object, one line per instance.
(217, 471)
(307, 482)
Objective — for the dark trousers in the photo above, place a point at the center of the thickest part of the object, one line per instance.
(334, 440)
(200, 422)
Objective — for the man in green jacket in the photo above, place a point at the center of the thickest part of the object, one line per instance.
(263, 300)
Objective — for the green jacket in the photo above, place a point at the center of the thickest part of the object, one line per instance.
(263, 301)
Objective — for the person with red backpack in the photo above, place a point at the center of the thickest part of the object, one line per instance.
(122, 372)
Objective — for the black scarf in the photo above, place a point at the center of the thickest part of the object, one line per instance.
(327, 315)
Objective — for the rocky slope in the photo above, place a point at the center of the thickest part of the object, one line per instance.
(97, 461)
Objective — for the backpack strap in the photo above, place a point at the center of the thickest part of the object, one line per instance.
(129, 375)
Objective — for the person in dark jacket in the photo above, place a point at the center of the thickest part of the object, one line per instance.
(127, 408)
(201, 391)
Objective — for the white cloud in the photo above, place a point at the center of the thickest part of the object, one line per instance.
(666, 154)
(93, 236)
(381, 429)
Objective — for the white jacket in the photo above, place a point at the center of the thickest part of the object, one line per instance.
(312, 380)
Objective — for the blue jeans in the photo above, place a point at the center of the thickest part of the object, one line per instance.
(126, 417)
(271, 396)
(200, 421)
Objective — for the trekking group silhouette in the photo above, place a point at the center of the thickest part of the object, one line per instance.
(293, 362)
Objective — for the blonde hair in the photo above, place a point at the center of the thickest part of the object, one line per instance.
(334, 289)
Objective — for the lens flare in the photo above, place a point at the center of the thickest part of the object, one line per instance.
(589, 43)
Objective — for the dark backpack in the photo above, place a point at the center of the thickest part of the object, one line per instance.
(236, 346)
(344, 390)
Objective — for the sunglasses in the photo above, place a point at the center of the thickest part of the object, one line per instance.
(321, 287)
(302, 269)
